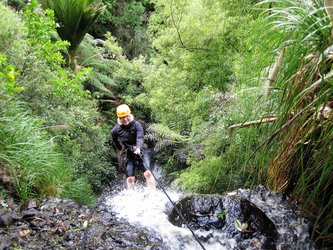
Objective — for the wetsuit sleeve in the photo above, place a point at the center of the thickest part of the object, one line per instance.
(139, 135)
(115, 138)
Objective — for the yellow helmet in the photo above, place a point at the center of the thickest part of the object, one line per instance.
(123, 110)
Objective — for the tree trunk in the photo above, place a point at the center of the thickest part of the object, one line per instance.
(72, 63)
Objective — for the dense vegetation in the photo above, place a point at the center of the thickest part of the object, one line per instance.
(234, 94)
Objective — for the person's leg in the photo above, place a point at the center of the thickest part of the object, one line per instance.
(148, 175)
(130, 180)
(150, 179)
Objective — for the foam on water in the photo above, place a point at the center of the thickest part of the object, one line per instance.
(145, 207)
(148, 208)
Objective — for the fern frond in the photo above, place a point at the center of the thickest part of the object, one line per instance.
(100, 66)
(164, 136)
(105, 79)
(100, 86)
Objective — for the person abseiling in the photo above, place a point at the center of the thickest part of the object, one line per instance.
(128, 138)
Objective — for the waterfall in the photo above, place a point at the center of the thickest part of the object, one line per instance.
(143, 207)
(147, 208)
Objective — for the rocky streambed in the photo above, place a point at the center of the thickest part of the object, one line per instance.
(140, 219)
(63, 224)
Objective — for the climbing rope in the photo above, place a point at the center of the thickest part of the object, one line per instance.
(173, 204)
(85, 234)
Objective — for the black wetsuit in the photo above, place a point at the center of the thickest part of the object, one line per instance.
(126, 138)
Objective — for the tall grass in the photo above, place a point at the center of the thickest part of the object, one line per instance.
(303, 163)
(31, 161)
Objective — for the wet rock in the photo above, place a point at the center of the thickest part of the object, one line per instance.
(37, 222)
(237, 218)
(64, 224)
(32, 204)
(200, 211)
(129, 236)
(6, 219)
(29, 214)
(106, 232)
(260, 223)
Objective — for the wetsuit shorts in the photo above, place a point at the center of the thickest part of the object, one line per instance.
(132, 164)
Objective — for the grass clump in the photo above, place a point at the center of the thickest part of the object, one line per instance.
(31, 161)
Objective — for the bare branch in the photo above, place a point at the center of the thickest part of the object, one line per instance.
(273, 74)
(250, 123)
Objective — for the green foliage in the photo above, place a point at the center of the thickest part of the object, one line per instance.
(126, 74)
(10, 27)
(95, 57)
(209, 175)
(18, 4)
(221, 215)
(204, 57)
(83, 142)
(63, 101)
(131, 16)
(196, 61)
(221, 164)
(188, 70)
(126, 20)
(74, 17)
(45, 63)
(11, 31)
(172, 102)
(30, 158)
(79, 191)
(7, 78)
(226, 162)
(163, 136)
(171, 166)
(309, 18)
(113, 77)
(300, 164)
(57, 95)
(41, 33)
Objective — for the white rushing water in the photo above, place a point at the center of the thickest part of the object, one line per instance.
(148, 208)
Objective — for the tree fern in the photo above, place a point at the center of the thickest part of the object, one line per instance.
(74, 17)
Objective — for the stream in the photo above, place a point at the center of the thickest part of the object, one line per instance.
(150, 209)
(146, 208)
(144, 219)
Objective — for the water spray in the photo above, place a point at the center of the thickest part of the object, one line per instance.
(173, 204)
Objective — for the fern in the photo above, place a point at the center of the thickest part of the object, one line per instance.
(164, 136)
(99, 85)
(95, 58)
(105, 79)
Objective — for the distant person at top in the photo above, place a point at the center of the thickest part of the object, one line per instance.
(128, 137)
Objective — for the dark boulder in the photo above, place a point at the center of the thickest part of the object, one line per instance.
(200, 211)
(236, 217)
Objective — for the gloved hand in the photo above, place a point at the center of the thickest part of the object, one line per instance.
(137, 151)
